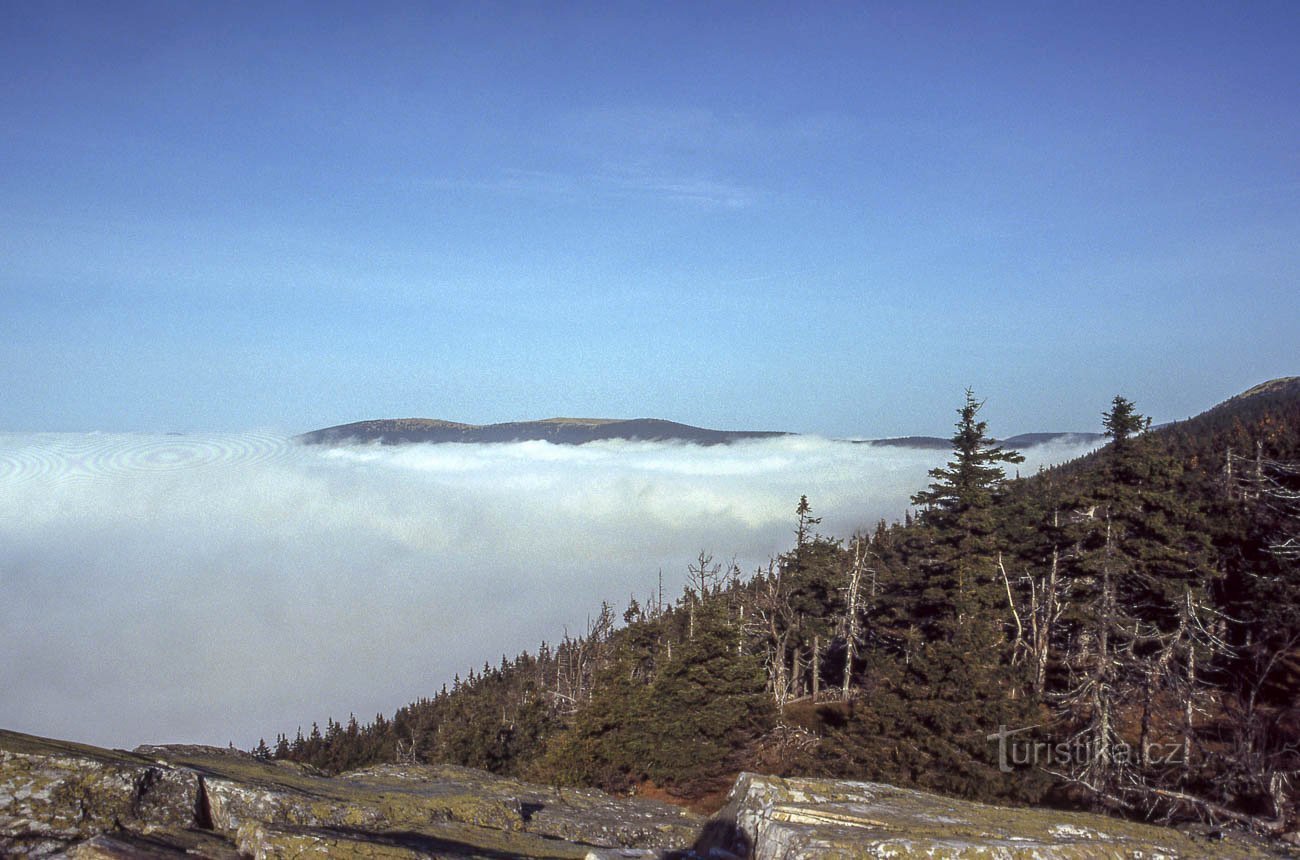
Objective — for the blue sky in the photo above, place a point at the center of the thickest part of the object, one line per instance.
(232, 216)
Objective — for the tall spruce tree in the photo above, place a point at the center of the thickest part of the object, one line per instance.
(960, 683)
(961, 590)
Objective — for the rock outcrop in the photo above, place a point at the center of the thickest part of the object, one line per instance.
(769, 818)
(54, 793)
(72, 800)
(60, 797)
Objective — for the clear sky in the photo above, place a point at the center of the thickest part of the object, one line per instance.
(827, 218)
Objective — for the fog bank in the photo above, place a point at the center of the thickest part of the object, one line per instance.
(223, 588)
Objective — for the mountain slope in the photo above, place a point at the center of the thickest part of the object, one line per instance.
(1266, 415)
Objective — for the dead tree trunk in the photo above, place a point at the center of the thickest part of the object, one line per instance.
(816, 667)
(851, 617)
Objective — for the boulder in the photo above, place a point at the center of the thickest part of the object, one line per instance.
(770, 818)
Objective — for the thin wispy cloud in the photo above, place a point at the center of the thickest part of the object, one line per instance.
(215, 588)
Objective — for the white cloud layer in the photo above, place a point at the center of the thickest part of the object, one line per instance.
(223, 588)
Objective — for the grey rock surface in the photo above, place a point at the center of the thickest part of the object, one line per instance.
(58, 798)
(770, 818)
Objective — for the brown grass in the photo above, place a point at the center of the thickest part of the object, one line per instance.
(701, 804)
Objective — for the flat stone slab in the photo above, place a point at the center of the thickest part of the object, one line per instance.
(770, 818)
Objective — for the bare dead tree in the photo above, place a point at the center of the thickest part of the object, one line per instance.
(704, 579)
(578, 660)
(1144, 665)
(406, 752)
(774, 622)
(1099, 682)
(857, 571)
(1274, 485)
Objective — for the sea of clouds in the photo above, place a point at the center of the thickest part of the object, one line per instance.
(227, 587)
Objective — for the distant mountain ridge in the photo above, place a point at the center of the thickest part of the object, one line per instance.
(1023, 440)
(560, 431)
(580, 431)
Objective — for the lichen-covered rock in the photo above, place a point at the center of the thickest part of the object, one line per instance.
(573, 814)
(271, 842)
(105, 803)
(769, 818)
(454, 842)
(53, 793)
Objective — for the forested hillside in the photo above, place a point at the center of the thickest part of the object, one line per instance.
(1120, 632)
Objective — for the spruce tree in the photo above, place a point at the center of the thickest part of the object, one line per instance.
(959, 682)
(961, 590)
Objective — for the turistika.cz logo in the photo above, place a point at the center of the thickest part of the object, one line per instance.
(1018, 751)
